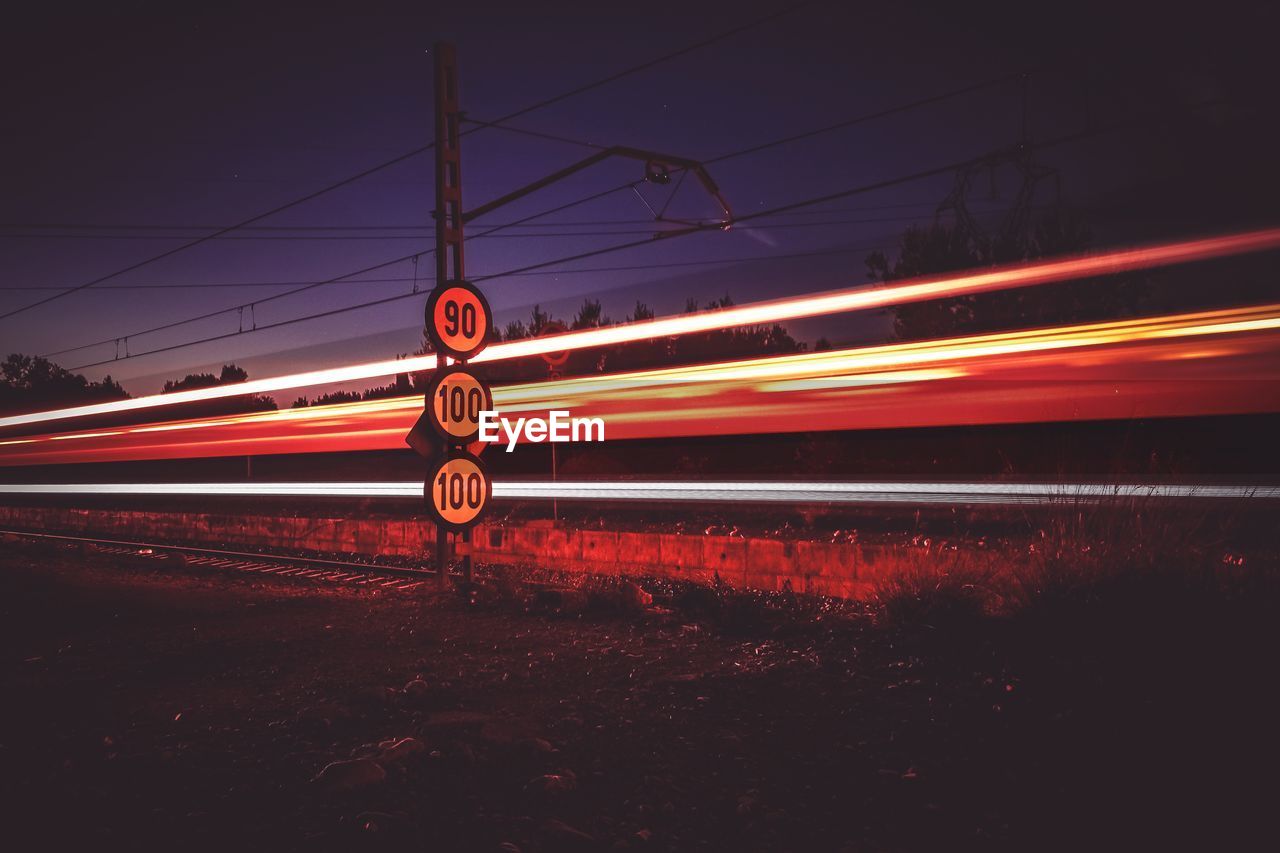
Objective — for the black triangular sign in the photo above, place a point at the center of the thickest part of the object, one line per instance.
(423, 439)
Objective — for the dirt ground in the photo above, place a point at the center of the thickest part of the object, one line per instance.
(147, 709)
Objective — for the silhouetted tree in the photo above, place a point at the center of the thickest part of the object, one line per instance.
(30, 383)
(402, 386)
(229, 375)
(331, 399)
(738, 342)
(688, 349)
(943, 248)
(590, 316)
(538, 321)
(514, 331)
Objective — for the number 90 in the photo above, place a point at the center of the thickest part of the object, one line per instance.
(458, 319)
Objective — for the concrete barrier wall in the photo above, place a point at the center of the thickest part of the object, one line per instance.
(845, 570)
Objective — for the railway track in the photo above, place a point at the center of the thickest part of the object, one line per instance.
(317, 570)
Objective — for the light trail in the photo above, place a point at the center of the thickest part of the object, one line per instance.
(664, 491)
(1196, 364)
(769, 312)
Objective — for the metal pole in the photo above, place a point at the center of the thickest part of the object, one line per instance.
(553, 374)
(448, 181)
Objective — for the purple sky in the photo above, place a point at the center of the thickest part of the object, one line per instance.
(150, 114)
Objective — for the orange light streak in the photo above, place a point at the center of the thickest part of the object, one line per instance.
(1202, 363)
(831, 302)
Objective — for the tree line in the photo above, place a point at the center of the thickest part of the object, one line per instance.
(32, 383)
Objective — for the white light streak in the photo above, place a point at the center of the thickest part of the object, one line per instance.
(666, 491)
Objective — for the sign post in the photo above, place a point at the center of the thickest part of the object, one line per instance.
(458, 322)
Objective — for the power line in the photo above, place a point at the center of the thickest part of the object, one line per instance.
(201, 240)
(867, 117)
(536, 234)
(536, 134)
(693, 229)
(580, 271)
(309, 285)
(417, 227)
(195, 286)
(644, 66)
(312, 285)
(220, 312)
(546, 102)
(370, 304)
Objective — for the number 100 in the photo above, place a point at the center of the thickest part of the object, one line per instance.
(458, 404)
(458, 490)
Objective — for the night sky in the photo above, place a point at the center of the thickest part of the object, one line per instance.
(133, 126)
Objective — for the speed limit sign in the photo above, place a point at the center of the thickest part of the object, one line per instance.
(455, 399)
(458, 319)
(458, 489)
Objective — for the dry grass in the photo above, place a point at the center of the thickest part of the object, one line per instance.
(940, 588)
(1129, 551)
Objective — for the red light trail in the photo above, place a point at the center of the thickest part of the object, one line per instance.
(831, 302)
(1195, 364)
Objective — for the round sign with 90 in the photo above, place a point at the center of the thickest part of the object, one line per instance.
(458, 319)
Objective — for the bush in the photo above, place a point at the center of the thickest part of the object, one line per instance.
(940, 589)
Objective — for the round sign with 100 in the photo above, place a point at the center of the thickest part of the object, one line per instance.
(458, 490)
(455, 399)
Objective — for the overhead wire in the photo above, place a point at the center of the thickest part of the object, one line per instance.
(691, 229)
(415, 227)
(216, 234)
(950, 167)
(674, 232)
(867, 117)
(312, 285)
(733, 259)
(546, 102)
(529, 235)
(946, 168)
